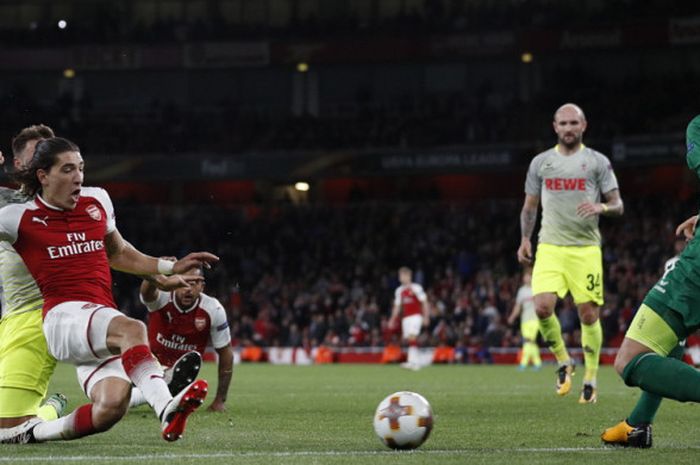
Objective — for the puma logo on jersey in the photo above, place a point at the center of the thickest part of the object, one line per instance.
(36, 219)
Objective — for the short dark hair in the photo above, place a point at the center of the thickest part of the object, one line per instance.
(45, 156)
(33, 132)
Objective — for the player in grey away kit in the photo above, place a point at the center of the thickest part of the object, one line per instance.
(569, 178)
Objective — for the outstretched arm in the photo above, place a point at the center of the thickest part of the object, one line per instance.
(124, 257)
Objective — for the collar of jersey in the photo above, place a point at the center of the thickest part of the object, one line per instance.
(583, 146)
(47, 204)
(186, 310)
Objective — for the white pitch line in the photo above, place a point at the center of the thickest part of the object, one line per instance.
(84, 458)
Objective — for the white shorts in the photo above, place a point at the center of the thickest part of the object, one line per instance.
(76, 332)
(91, 373)
(411, 326)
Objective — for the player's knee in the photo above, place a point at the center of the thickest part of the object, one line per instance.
(621, 361)
(588, 314)
(108, 411)
(589, 318)
(543, 310)
(136, 330)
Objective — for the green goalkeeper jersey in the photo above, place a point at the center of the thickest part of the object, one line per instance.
(678, 290)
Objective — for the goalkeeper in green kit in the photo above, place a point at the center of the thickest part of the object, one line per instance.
(651, 354)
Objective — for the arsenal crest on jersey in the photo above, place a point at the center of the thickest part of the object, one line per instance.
(200, 323)
(94, 212)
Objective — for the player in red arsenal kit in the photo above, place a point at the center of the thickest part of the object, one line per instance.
(68, 239)
(185, 320)
(410, 300)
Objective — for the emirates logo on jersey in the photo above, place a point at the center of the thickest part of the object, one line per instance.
(200, 323)
(94, 212)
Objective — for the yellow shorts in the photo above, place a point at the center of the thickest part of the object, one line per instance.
(561, 269)
(650, 329)
(25, 364)
(529, 330)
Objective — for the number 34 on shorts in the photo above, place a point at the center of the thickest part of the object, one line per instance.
(569, 269)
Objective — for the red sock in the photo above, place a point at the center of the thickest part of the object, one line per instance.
(83, 420)
(133, 358)
(76, 425)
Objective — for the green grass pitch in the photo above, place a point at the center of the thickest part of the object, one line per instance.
(323, 415)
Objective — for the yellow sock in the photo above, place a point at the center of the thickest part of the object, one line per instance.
(591, 341)
(551, 332)
(524, 355)
(47, 412)
(534, 353)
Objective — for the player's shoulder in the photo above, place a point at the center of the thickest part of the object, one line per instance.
(599, 157)
(99, 195)
(543, 156)
(96, 193)
(209, 303)
(15, 210)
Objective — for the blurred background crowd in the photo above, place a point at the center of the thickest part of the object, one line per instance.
(302, 276)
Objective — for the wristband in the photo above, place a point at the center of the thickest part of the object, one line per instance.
(165, 267)
(605, 207)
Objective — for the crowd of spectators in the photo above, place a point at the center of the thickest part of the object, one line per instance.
(307, 275)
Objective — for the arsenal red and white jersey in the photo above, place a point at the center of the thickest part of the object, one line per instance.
(410, 298)
(173, 331)
(64, 250)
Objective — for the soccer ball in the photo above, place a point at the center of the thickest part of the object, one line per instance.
(403, 420)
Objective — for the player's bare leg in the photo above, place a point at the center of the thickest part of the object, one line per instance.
(110, 401)
(656, 374)
(129, 337)
(14, 421)
(551, 332)
(591, 342)
(627, 352)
